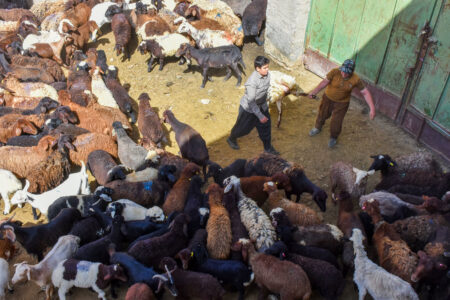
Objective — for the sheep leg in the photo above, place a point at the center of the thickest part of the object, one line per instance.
(150, 64)
(279, 113)
(205, 77)
(48, 291)
(228, 74)
(100, 292)
(62, 293)
(7, 208)
(161, 63)
(362, 291)
(263, 292)
(182, 60)
(236, 70)
(258, 39)
(35, 216)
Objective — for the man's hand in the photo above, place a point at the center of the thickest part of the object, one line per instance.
(312, 96)
(264, 120)
(372, 114)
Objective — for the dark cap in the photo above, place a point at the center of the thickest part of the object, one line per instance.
(348, 66)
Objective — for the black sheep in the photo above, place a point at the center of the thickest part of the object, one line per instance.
(238, 230)
(237, 168)
(36, 239)
(192, 145)
(195, 206)
(252, 19)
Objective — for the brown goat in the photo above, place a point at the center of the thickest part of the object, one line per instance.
(82, 35)
(219, 225)
(122, 33)
(177, 196)
(273, 275)
(20, 126)
(394, 255)
(253, 187)
(78, 16)
(298, 214)
(95, 117)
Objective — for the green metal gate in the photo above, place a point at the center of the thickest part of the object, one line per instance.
(402, 51)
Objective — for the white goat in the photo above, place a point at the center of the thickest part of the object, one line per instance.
(253, 218)
(370, 277)
(133, 211)
(98, 16)
(99, 89)
(4, 278)
(75, 184)
(43, 37)
(205, 38)
(41, 273)
(10, 184)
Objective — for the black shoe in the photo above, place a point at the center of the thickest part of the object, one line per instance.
(232, 144)
(272, 150)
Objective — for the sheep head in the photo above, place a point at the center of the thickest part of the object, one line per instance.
(269, 187)
(23, 125)
(190, 170)
(282, 181)
(372, 207)
(184, 50)
(185, 256)
(115, 272)
(231, 182)
(382, 162)
(357, 237)
(156, 214)
(21, 196)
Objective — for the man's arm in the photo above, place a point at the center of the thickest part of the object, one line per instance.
(251, 94)
(319, 87)
(368, 97)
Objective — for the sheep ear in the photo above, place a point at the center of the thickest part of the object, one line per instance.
(228, 188)
(18, 131)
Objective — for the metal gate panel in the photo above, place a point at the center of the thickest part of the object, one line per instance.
(346, 26)
(411, 16)
(321, 25)
(373, 38)
(429, 90)
(442, 115)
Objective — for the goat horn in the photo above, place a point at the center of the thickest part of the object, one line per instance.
(169, 274)
(159, 276)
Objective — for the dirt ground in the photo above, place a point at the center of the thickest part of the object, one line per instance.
(181, 91)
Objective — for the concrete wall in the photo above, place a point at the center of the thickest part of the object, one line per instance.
(285, 30)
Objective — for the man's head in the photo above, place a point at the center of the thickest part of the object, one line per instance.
(347, 68)
(262, 65)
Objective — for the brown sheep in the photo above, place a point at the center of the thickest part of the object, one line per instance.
(140, 291)
(122, 33)
(88, 142)
(51, 50)
(21, 160)
(42, 63)
(298, 214)
(18, 127)
(29, 89)
(7, 247)
(95, 117)
(177, 196)
(167, 158)
(394, 255)
(79, 85)
(253, 187)
(149, 123)
(103, 167)
(219, 225)
(273, 275)
(150, 24)
(9, 120)
(26, 73)
(16, 14)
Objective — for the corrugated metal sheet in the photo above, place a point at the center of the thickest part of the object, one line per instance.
(402, 50)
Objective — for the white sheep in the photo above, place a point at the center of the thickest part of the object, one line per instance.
(133, 211)
(281, 84)
(101, 91)
(205, 38)
(389, 203)
(43, 37)
(148, 174)
(4, 278)
(75, 184)
(345, 177)
(254, 219)
(369, 277)
(10, 184)
(98, 16)
(41, 273)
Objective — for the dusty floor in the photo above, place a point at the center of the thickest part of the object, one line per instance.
(181, 91)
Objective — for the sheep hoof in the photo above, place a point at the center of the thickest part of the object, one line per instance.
(11, 290)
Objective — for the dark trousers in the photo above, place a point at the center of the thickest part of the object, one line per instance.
(246, 122)
(335, 110)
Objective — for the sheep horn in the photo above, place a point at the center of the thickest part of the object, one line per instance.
(159, 276)
(169, 273)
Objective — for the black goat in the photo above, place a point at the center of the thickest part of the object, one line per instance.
(218, 57)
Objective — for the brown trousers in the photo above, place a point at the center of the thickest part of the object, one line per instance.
(335, 110)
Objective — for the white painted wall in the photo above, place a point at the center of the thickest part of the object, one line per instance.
(286, 22)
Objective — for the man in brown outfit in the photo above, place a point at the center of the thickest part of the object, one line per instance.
(339, 84)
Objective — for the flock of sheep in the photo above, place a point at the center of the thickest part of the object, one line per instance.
(154, 222)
